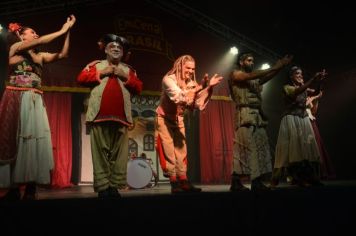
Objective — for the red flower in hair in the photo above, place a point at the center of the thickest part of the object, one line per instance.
(14, 27)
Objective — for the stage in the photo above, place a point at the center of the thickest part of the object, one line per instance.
(326, 210)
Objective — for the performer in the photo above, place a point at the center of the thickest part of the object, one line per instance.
(326, 168)
(297, 152)
(251, 153)
(109, 114)
(180, 92)
(25, 136)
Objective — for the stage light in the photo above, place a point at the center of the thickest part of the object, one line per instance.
(234, 50)
(1, 28)
(265, 66)
(223, 64)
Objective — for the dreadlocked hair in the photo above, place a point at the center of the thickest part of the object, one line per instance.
(177, 70)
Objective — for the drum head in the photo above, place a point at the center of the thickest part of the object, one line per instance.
(139, 173)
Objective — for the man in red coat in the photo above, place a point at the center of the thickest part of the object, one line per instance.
(109, 114)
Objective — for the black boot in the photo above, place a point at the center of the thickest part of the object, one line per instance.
(30, 192)
(104, 194)
(114, 193)
(258, 185)
(109, 193)
(236, 185)
(175, 187)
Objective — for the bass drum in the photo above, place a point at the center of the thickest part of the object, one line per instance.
(139, 173)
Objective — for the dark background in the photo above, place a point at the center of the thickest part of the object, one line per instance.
(320, 34)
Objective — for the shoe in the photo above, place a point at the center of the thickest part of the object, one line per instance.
(175, 187)
(30, 192)
(237, 186)
(13, 194)
(109, 193)
(186, 186)
(258, 186)
(104, 194)
(114, 193)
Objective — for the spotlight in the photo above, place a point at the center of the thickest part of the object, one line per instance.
(1, 28)
(265, 66)
(234, 50)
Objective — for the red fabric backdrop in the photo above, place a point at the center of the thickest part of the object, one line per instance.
(59, 114)
(216, 142)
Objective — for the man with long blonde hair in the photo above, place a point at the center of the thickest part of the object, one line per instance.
(180, 91)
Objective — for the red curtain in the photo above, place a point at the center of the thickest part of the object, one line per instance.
(59, 114)
(216, 142)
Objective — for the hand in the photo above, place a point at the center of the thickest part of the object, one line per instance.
(69, 23)
(107, 71)
(216, 79)
(189, 97)
(310, 90)
(71, 20)
(319, 76)
(120, 73)
(286, 60)
(205, 81)
(323, 73)
(309, 101)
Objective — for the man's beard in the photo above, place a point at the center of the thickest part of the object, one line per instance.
(248, 69)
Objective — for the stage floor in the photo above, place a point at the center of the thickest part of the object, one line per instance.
(327, 210)
(87, 191)
(163, 188)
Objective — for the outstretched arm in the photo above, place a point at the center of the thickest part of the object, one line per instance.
(26, 45)
(50, 57)
(264, 75)
(284, 61)
(202, 96)
(317, 77)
